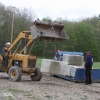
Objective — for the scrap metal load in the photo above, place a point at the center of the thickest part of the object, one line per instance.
(48, 31)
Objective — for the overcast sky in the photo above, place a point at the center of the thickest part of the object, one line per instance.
(66, 9)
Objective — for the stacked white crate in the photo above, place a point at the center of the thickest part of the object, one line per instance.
(67, 66)
(76, 61)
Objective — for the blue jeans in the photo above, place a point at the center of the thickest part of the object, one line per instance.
(6, 61)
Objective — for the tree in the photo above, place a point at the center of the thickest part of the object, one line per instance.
(23, 20)
(47, 19)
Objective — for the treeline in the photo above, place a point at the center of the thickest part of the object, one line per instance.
(84, 34)
(23, 19)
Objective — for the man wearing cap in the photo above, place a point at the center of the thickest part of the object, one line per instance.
(88, 67)
(4, 51)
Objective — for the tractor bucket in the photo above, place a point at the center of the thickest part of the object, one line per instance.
(48, 31)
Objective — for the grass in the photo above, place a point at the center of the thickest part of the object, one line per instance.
(10, 98)
(15, 90)
(39, 61)
(48, 96)
(28, 95)
(96, 65)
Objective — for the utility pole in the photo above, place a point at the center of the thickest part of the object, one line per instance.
(12, 29)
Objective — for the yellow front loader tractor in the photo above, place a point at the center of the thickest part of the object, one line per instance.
(22, 61)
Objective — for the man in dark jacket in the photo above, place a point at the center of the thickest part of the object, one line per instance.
(4, 51)
(88, 67)
(58, 55)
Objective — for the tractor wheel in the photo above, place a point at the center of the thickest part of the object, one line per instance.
(14, 74)
(37, 76)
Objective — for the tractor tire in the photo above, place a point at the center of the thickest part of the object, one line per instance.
(37, 76)
(15, 74)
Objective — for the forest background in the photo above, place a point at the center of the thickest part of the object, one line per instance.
(84, 33)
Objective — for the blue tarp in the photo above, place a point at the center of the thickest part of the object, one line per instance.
(73, 53)
(80, 76)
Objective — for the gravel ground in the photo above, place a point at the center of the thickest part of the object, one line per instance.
(49, 88)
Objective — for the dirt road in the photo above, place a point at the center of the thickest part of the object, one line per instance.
(49, 88)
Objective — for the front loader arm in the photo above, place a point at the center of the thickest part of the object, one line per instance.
(28, 43)
(20, 36)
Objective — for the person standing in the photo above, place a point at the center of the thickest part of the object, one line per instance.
(88, 67)
(57, 55)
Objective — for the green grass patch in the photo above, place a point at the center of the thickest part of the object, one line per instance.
(48, 96)
(28, 95)
(38, 62)
(10, 98)
(15, 90)
(96, 65)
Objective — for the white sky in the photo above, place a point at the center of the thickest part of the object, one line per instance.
(66, 9)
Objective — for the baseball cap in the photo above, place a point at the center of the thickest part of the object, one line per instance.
(88, 52)
(8, 43)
